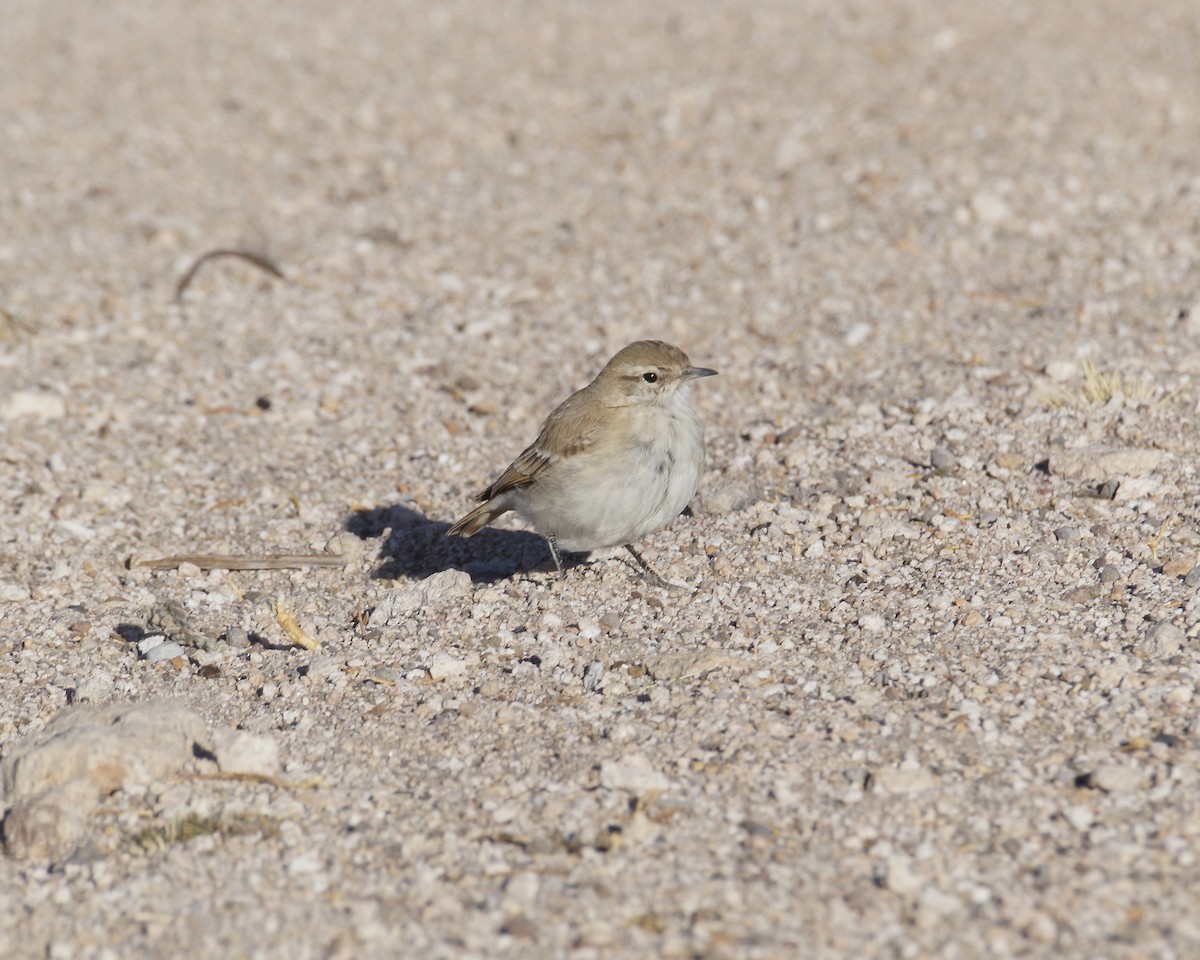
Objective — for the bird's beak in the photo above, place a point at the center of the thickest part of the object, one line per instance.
(695, 373)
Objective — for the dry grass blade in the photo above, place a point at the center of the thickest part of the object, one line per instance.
(312, 783)
(1098, 388)
(1156, 540)
(295, 633)
(155, 839)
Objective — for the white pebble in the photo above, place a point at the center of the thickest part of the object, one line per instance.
(247, 753)
(634, 775)
(1116, 778)
(148, 643)
(989, 208)
(165, 651)
(42, 404)
(12, 592)
(305, 864)
(1060, 371)
(1079, 816)
(443, 665)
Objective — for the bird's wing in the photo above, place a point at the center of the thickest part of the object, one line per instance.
(565, 433)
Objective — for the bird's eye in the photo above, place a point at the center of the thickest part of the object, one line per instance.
(650, 377)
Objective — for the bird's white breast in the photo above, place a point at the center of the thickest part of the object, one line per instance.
(624, 489)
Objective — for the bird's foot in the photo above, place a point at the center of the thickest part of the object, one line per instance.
(653, 576)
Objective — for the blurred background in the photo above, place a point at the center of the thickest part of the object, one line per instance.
(475, 205)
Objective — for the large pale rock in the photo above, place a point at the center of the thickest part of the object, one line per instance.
(107, 745)
(685, 664)
(52, 781)
(438, 589)
(51, 822)
(251, 754)
(1098, 463)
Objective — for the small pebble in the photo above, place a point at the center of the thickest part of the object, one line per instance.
(1060, 371)
(245, 753)
(990, 208)
(443, 665)
(943, 460)
(305, 864)
(1178, 567)
(519, 926)
(1115, 778)
(589, 629)
(972, 618)
(167, 650)
(899, 876)
(756, 829)
(1079, 816)
(934, 906)
(904, 780)
(95, 688)
(149, 642)
(1163, 640)
(237, 637)
(322, 668)
(592, 675)
(38, 404)
(633, 775)
(12, 592)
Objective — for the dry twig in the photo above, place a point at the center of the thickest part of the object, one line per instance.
(225, 561)
(257, 259)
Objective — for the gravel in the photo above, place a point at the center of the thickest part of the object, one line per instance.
(931, 688)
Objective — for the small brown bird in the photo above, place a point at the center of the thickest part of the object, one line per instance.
(614, 462)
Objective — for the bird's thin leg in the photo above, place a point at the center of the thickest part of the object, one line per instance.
(554, 554)
(649, 572)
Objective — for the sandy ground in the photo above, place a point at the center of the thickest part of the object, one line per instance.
(935, 691)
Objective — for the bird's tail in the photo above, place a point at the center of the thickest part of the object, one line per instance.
(477, 519)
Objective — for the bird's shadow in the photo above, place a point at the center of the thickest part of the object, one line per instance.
(415, 547)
